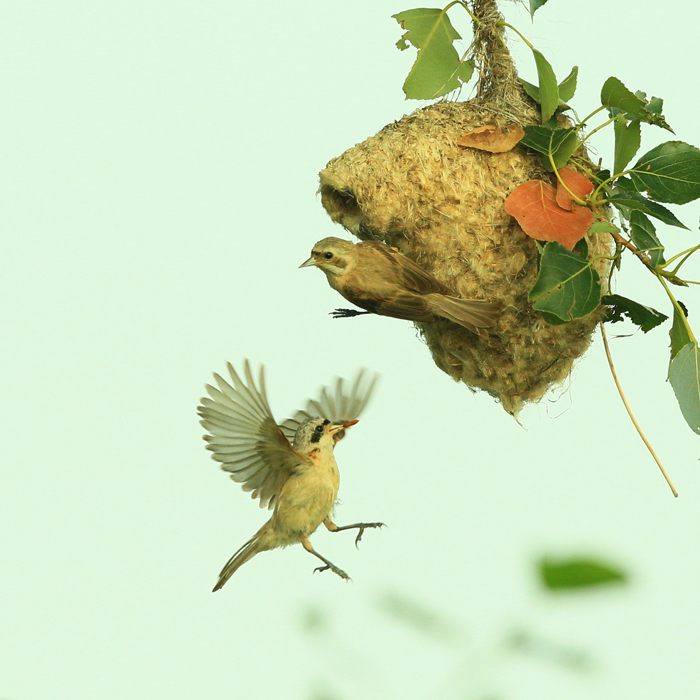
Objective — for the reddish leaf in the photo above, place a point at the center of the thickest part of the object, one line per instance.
(577, 183)
(491, 138)
(534, 205)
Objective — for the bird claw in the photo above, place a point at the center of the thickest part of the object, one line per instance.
(347, 313)
(334, 569)
(362, 530)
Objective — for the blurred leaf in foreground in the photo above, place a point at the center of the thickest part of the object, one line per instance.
(314, 621)
(569, 657)
(577, 573)
(418, 616)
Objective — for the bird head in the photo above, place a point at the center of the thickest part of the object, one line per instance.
(319, 434)
(334, 256)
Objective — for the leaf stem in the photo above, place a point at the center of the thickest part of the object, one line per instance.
(612, 177)
(629, 411)
(510, 26)
(621, 240)
(598, 128)
(590, 116)
(687, 254)
(475, 19)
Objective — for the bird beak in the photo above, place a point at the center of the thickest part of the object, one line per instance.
(309, 262)
(341, 426)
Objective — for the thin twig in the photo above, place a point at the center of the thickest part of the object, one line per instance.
(632, 248)
(631, 415)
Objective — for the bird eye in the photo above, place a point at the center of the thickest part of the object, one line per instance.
(319, 428)
(328, 256)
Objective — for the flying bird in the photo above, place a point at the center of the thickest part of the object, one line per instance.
(291, 466)
(382, 281)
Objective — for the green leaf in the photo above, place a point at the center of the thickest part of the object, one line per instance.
(662, 214)
(466, 70)
(615, 96)
(679, 332)
(684, 375)
(535, 5)
(634, 200)
(602, 175)
(643, 316)
(565, 151)
(624, 184)
(656, 104)
(581, 248)
(422, 24)
(552, 320)
(643, 235)
(531, 90)
(567, 286)
(669, 173)
(560, 143)
(568, 574)
(628, 138)
(437, 69)
(543, 139)
(567, 87)
(549, 90)
(603, 227)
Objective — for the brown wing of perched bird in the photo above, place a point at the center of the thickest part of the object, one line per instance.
(415, 294)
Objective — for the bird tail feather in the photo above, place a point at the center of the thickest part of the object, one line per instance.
(473, 314)
(244, 554)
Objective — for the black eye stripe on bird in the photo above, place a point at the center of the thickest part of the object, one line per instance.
(290, 466)
(381, 280)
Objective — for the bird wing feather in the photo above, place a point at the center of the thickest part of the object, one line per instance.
(412, 276)
(245, 438)
(341, 404)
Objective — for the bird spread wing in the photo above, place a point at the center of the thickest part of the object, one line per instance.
(245, 438)
(412, 276)
(339, 405)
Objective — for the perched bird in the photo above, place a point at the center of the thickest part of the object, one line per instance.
(382, 281)
(291, 466)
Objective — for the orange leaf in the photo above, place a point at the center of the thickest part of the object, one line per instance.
(577, 183)
(534, 205)
(491, 138)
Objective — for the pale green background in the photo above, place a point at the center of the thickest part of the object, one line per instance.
(159, 168)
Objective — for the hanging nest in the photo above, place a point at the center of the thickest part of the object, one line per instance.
(442, 205)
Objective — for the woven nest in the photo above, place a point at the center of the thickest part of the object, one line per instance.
(442, 205)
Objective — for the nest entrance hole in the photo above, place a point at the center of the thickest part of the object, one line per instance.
(342, 206)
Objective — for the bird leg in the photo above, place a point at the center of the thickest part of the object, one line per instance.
(362, 527)
(347, 313)
(328, 565)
